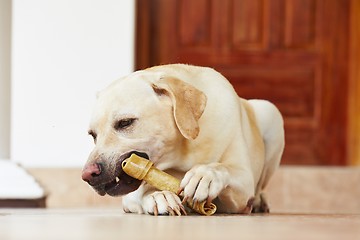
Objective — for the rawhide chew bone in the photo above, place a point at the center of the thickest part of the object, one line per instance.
(143, 169)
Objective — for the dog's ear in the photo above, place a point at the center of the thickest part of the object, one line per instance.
(188, 104)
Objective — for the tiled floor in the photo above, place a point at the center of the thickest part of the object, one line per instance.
(109, 224)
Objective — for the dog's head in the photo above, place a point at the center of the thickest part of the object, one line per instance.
(143, 113)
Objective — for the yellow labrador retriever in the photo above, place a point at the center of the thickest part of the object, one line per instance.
(191, 123)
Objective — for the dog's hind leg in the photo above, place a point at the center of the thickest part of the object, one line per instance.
(271, 127)
(260, 204)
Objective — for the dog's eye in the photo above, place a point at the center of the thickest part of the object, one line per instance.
(93, 134)
(124, 123)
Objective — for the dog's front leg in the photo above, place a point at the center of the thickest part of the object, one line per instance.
(132, 202)
(146, 200)
(163, 203)
(233, 189)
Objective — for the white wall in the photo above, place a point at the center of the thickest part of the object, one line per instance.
(5, 37)
(63, 52)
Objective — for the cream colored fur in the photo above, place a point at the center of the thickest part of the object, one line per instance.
(191, 123)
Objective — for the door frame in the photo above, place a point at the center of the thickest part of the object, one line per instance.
(354, 86)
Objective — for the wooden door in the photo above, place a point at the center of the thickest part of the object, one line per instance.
(291, 52)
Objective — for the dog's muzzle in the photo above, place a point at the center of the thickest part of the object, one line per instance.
(109, 178)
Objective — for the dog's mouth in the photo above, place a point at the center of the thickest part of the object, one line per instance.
(120, 183)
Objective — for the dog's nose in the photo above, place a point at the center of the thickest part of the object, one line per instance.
(90, 172)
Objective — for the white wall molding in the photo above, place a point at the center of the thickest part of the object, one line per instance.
(5, 46)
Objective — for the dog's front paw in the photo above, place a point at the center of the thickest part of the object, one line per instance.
(163, 203)
(204, 182)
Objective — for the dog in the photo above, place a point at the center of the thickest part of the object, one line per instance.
(190, 122)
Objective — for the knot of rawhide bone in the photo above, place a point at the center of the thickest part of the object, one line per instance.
(143, 169)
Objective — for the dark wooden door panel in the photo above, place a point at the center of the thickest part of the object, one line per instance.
(286, 51)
